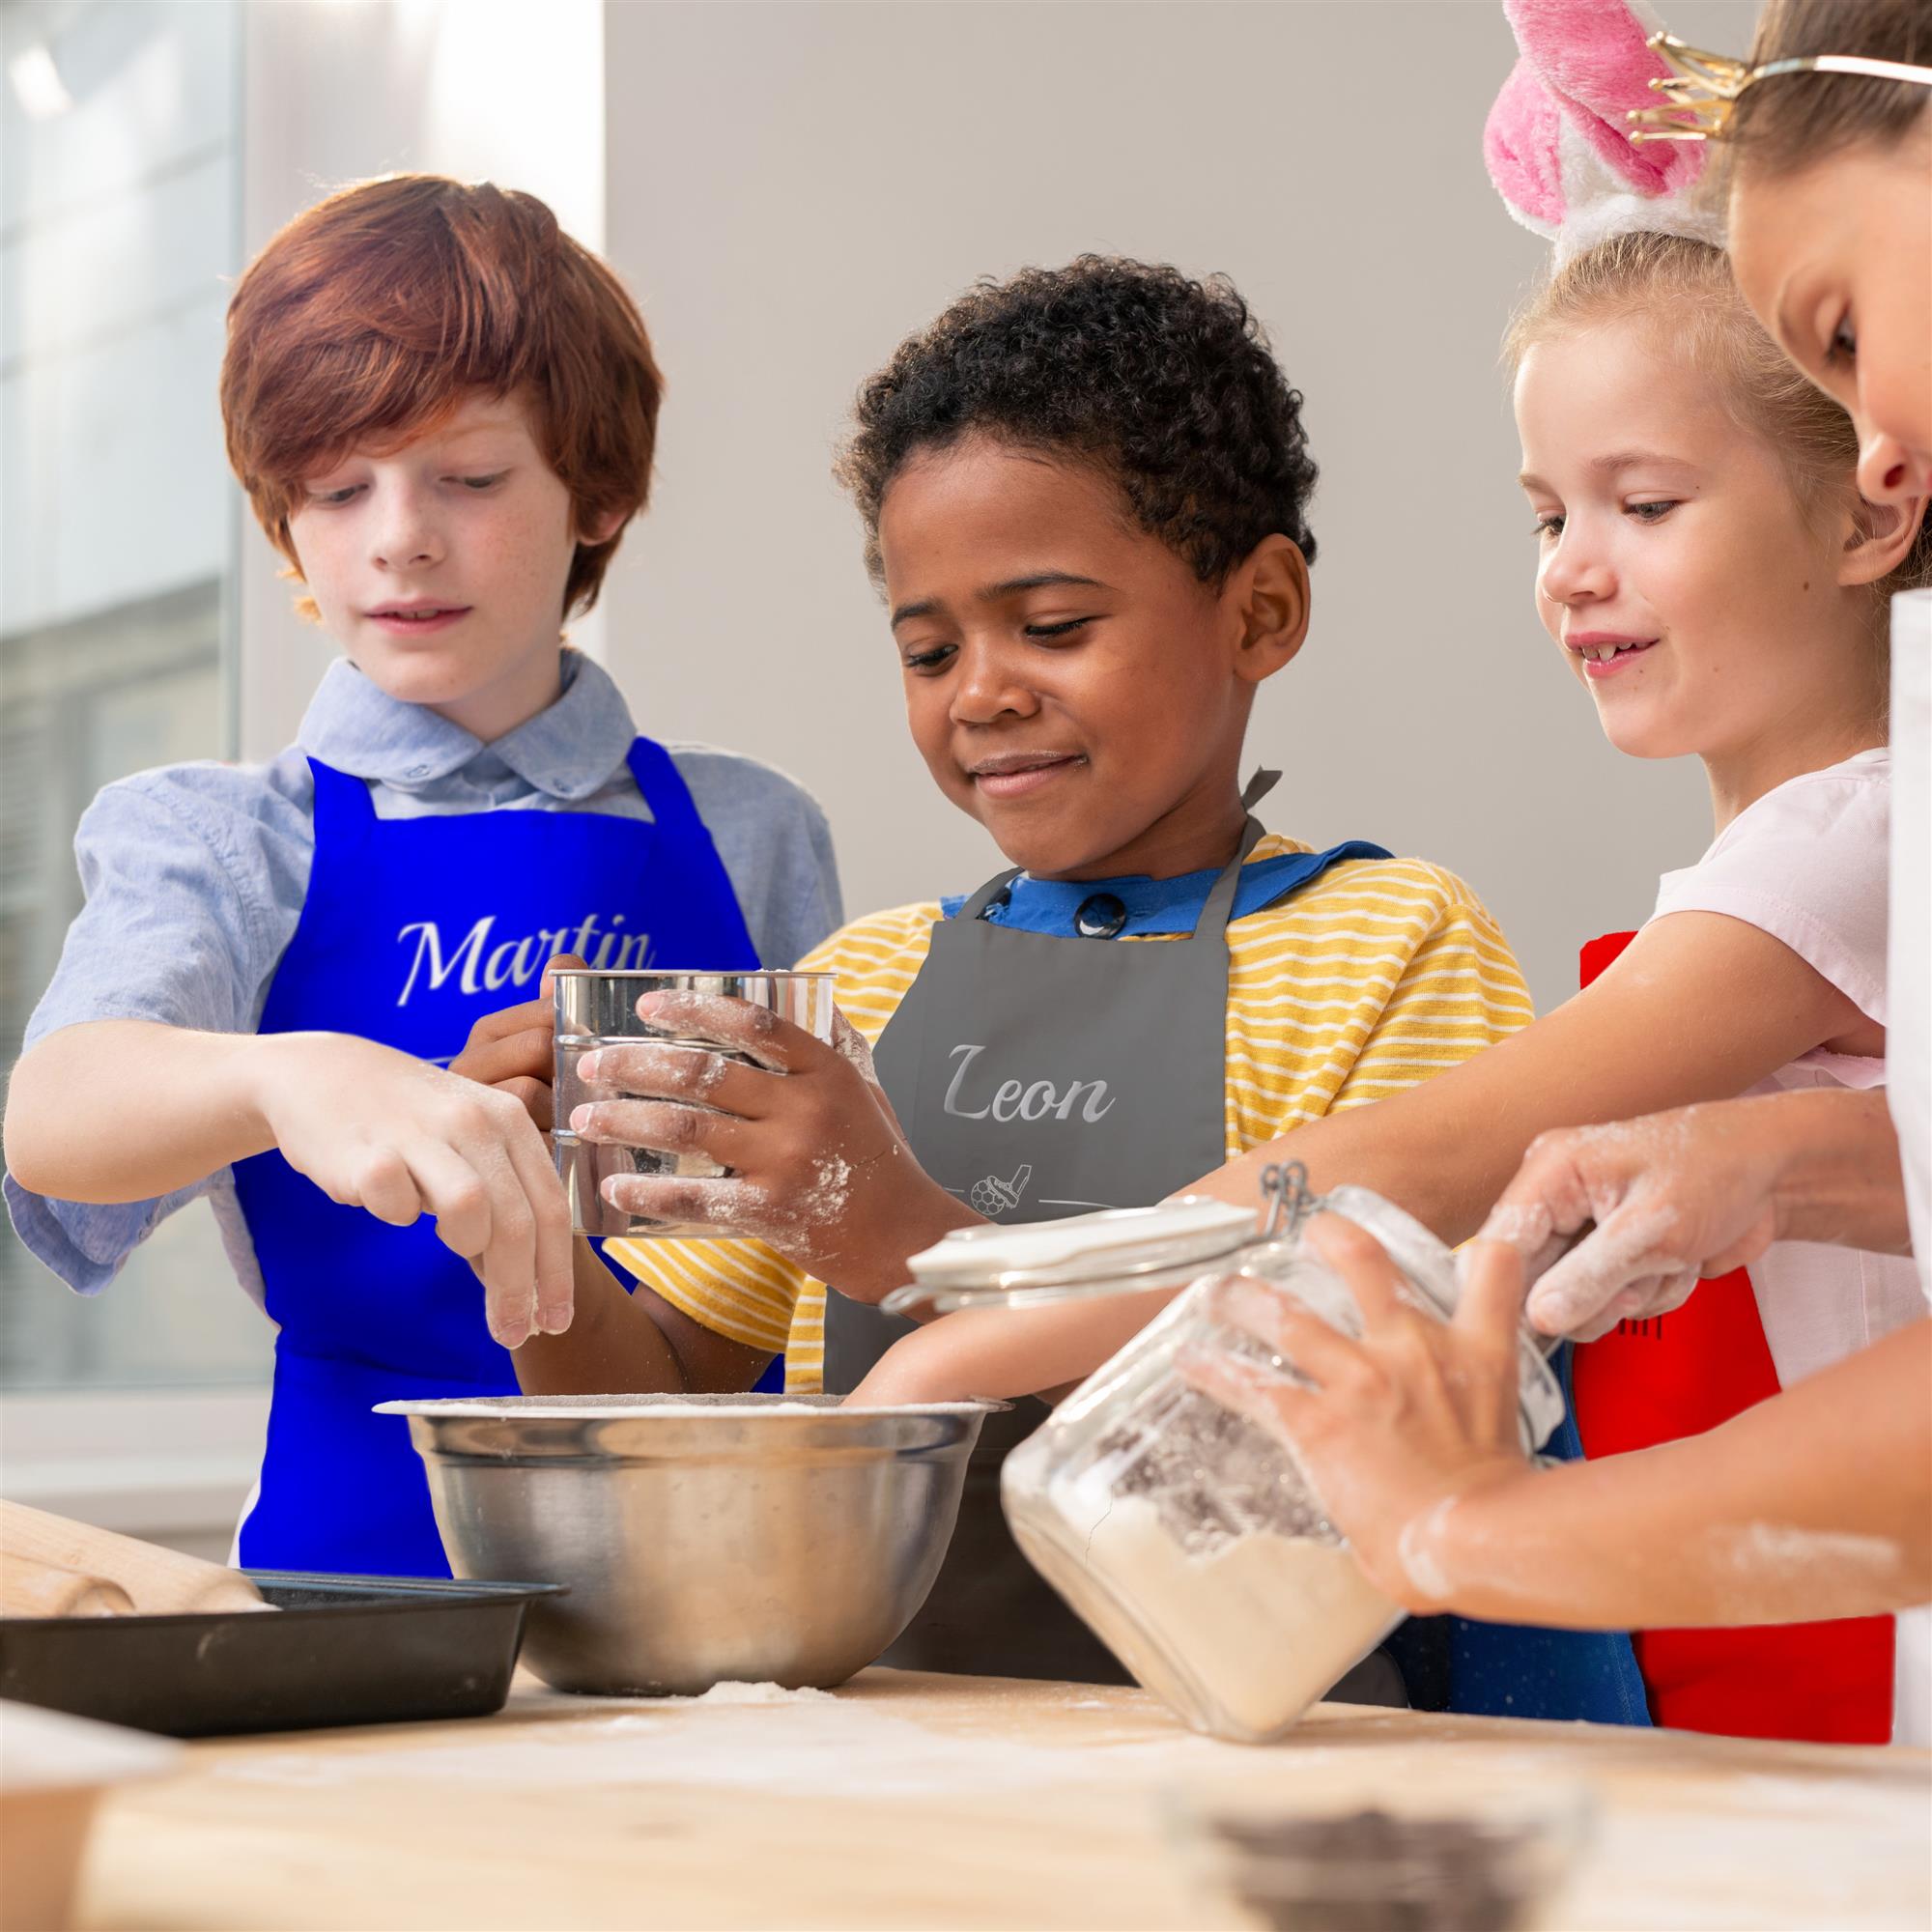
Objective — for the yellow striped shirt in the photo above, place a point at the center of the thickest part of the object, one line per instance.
(1369, 978)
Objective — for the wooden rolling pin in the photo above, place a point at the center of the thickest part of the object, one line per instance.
(31, 1588)
(154, 1581)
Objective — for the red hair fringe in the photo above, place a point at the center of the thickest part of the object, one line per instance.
(368, 320)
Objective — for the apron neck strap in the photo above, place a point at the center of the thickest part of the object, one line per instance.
(1219, 905)
(994, 888)
(1220, 900)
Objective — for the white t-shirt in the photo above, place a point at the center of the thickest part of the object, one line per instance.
(1807, 864)
(1814, 864)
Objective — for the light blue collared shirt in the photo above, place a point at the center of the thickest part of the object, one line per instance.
(195, 877)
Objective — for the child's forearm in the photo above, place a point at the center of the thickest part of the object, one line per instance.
(1830, 1160)
(1414, 1155)
(130, 1110)
(1813, 1505)
(633, 1342)
(610, 1346)
(1422, 1162)
(919, 1216)
(1445, 1150)
(1699, 1009)
(1835, 1166)
(1009, 1352)
(126, 1110)
(1023, 1351)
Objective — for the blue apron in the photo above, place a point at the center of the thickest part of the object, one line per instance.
(1522, 1670)
(412, 929)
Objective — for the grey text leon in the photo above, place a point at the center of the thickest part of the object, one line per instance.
(1023, 1101)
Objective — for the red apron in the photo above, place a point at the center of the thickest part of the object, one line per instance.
(1678, 1374)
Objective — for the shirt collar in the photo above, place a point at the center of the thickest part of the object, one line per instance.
(1047, 904)
(1164, 906)
(569, 750)
(1054, 905)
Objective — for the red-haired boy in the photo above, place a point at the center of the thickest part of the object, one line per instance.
(442, 410)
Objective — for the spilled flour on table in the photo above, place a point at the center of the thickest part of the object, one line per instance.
(733, 1692)
(753, 1737)
(1864, 1829)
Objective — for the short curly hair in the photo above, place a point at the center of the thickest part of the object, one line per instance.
(1166, 382)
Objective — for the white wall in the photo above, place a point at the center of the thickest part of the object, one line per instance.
(794, 186)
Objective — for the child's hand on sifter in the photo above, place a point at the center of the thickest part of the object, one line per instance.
(1393, 1429)
(819, 1168)
(515, 1050)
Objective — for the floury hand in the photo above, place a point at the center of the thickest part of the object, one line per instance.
(371, 1126)
(1392, 1427)
(1621, 1222)
(818, 1168)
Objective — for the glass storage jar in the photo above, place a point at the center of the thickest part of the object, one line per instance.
(1187, 1539)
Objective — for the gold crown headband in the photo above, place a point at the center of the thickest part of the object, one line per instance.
(1701, 90)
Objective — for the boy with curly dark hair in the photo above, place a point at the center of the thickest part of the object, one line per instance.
(1085, 495)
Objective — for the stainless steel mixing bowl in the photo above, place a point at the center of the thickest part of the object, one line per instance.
(703, 1539)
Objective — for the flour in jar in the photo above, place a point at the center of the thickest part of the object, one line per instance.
(1242, 1637)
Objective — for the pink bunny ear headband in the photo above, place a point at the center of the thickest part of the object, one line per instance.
(1557, 141)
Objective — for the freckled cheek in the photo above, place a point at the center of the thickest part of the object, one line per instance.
(322, 558)
(521, 553)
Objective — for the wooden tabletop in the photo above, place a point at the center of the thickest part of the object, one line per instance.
(918, 1801)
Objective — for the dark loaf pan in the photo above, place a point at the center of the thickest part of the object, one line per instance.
(336, 1650)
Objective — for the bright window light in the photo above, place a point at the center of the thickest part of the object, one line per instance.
(37, 82)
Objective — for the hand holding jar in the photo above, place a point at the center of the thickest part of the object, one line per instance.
(1166, 1499)
(1390, 1426)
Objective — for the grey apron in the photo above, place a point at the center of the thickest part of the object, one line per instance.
(1038, 1076)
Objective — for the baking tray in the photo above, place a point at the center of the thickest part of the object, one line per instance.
(338, 1650)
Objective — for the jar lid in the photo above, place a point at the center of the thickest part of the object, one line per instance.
(1112, 1251)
